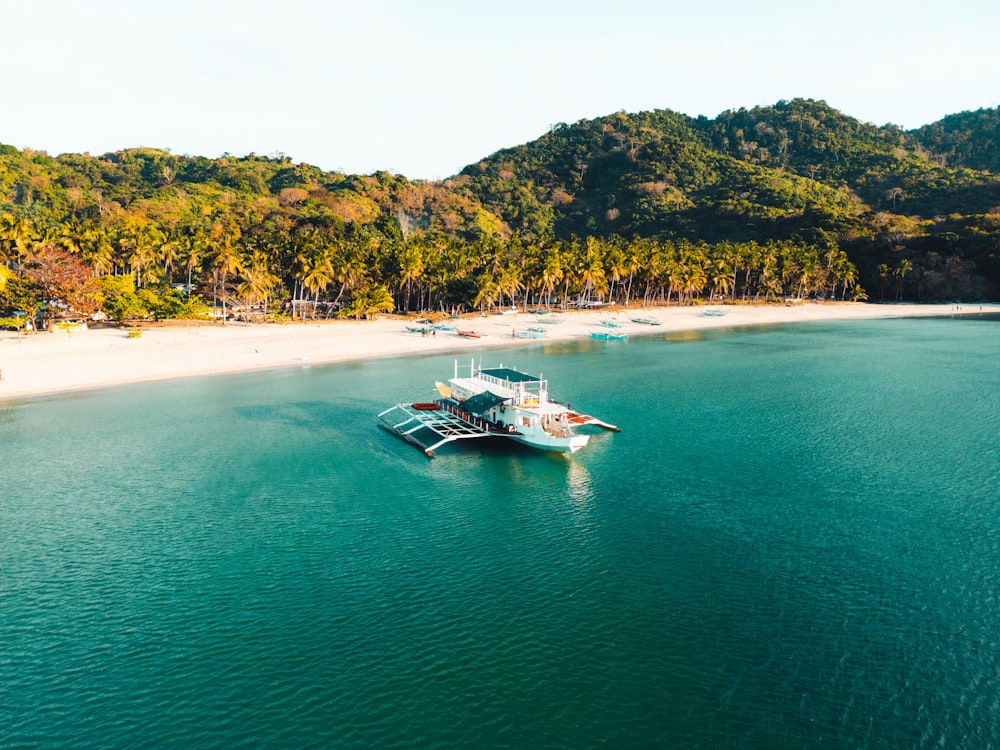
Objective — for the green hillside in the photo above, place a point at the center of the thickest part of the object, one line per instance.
(799, 171)
(650, 174)
(969, 140)
(795, 199)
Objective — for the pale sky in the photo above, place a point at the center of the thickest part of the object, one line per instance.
(424, 87)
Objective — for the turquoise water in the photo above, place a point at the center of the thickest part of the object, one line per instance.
(794, 542)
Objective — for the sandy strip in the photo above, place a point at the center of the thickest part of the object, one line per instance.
(52, 362)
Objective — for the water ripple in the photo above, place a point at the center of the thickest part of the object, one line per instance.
(758, 561)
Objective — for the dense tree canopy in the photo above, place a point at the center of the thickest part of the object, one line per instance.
(793, 200)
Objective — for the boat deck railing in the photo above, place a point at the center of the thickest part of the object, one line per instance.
(519, 392)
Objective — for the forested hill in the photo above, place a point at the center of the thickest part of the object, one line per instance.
(968, 139)
(798, 170)
(791, 199)
(767, 170)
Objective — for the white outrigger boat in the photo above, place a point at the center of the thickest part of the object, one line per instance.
(494, 402)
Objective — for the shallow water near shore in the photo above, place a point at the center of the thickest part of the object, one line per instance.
(794, 542)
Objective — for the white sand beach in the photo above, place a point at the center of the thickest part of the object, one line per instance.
(57, 361)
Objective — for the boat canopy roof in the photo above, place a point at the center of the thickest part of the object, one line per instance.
(513, 376)
(482, 402)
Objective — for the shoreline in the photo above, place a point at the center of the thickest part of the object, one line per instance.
(41, 364)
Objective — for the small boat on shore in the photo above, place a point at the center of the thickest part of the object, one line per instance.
(470, 334)
(608, 335)
(529, 333)
(496, 402)
(647, 321)
(609, 324)
(714, 313)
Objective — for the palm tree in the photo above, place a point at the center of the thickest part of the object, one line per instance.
(654, 271)
(258, 281)
(883, 274)
(616, 268)
(169, 252)
(96, 251)
(139, 241)
(592, 269)
(694, 279)
(350, 272)
(846, 273)
(305, 247)
(143, 262)
(192, 249)
(633, 263)
(720, 278)
(15, 235)
(751, 255)
(69, 236)
(488, 292)
(807, 275)
(371, 299)
(900, 272)
(227, 261)
(675, 276)
(768, 283)
(509, 283)
(552, 274)
(411, 268)
(318, 276)
(728, 254)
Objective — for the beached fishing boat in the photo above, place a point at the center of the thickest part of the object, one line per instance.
(609, 324)
(528, 333)
(646, 321)
(470, 334)
(498, 402)
(608, 335)
(714, 313)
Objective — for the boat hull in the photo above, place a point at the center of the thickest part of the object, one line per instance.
(556, 445)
